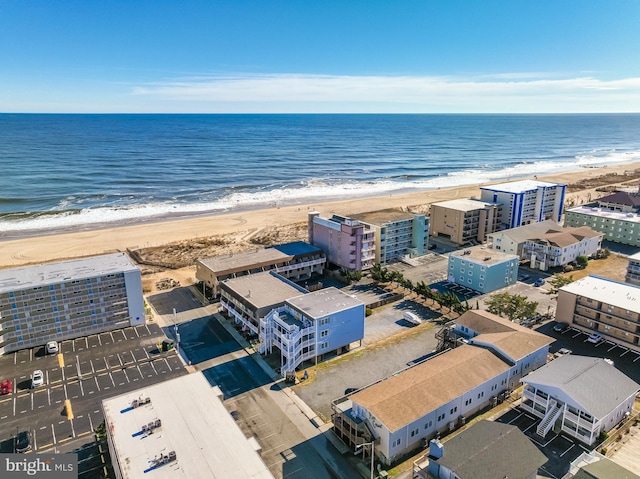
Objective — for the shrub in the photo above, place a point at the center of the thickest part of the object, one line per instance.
(368, 311)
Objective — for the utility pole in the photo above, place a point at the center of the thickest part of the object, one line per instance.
(362, 446)
(175, 330)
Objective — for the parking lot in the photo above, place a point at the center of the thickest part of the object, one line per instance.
(86, 371)
(559, 449)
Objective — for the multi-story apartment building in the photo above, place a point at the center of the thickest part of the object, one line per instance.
(617, 226)
(559, 248)
(482, 269)
(68, 299)
(296, 261)
(633, 270)
(621, 201)
(402, 411)
(578, 396)
(526, 201)
(600, 305)
(348, 243)
(464, 221)
(512, 240)
(397, 234)
(359, 241)
(300, 324)
(311, 325)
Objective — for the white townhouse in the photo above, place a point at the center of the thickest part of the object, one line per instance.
(524, 349)
(578, 396)
(512, 240)
(558, 248)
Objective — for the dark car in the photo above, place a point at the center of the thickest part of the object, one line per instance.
(539, 282)
(23, 441)
(561, 327)
(349, 391)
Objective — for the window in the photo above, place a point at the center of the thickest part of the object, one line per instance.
(453, 410)
(481, 395)
(468, 401)
(324, 334)
(414, 432)
(428, 424)
(441, 417)
(396, 442)
(324, 321)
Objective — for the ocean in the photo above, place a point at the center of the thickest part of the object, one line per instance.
(74, 172)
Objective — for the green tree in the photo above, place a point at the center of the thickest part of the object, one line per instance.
(514, 307)
(582, 261)
(557, 281)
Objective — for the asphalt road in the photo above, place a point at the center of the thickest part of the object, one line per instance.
(86, 371)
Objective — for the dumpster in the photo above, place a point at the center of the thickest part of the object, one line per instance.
(167, 345)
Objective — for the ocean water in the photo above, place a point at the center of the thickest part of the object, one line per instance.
(68, 172)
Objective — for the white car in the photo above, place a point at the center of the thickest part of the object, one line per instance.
(52, 347)
(412, 318)
(37, 378)
(595, 338)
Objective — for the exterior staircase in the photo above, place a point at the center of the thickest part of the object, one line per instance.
(553, 412)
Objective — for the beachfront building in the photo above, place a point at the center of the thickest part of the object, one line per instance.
(558, 248)
(578, 396)
(622, 201)
(300, 324)
(512, 240)
(68, 299)
(348, 243)
(617, 226)
(601, 305)
(633, 270)
(526, 201)
(464, 221)
(482, 269)
(487, 449)
(178, 429)
(298, 261)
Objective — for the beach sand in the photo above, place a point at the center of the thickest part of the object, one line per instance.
(239, 226)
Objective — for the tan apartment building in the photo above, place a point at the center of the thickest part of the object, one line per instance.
(465, 221)
(604, 306)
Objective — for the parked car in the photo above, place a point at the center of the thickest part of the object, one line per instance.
(412, 318)
(37, 378)
(52, 347)
(6, 387)
(561, 327)
(539, 282)
(595, 338)
(563, 351)
(349, 391)
(23, 441)
(523, 277)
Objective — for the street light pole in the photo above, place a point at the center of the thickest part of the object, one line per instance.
(175, 330)
(362, 446)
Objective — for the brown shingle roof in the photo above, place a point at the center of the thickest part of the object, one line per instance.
(413, 393)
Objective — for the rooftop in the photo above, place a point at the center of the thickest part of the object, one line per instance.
(263, 289)
(520, 186)
(490, 450)
(411, 394)
(246, 260)
(523, 233)
(463, 204)
(382, 217)
(296, 248)
(48, 273)
(194, 423)
(567, 237)
(622, 295)
(621, 198)
(605, 213)
(324, 302)
(576, 376)
(483, 255)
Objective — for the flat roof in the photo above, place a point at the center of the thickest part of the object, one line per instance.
(246, 260)
(415, 392)
(576, 377)
(605, 213)
(58, 272)
(382, 217)
(463, 204)
(323, 302)
(195, 424)
(484, 255)
(263, 289)
(622, 295)
(520, 186)
(296, 248)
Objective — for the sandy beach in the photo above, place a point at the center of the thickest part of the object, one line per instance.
(30, 250)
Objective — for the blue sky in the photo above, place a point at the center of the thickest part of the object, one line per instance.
(424, 56)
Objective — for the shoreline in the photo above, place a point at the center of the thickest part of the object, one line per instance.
(43, 247)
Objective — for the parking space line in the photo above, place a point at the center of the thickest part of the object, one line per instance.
(96, 380)
(119, 358)
(624, 353)
(106, 364)
(637, 357)
(145, 352)
(86, 341)
(32, 401)
(154, 368)
(99, 339)
(73, 430)
(165, 360)
(141, 375)
(81, 387)
(15, 358)
(112, 381)
(49, 395)
(148, 330)
(612, 347)
(53, 433)
(111, 334)
(90, 422)
(126, 375)
(136, 331)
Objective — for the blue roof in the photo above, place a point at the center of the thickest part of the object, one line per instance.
(296, 248)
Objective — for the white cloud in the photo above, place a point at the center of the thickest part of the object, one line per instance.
(508, 92)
